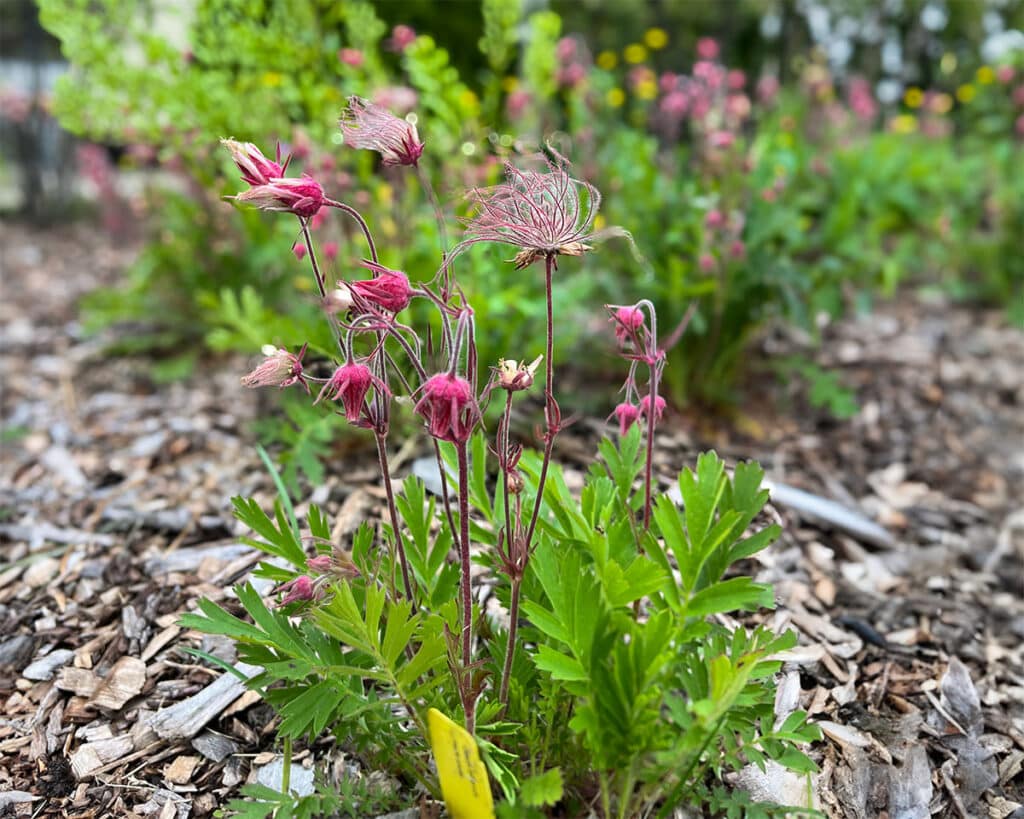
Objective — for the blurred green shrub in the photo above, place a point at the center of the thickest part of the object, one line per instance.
(762, 206)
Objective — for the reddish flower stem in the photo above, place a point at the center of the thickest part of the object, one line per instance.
(396, 524)
(652, 419)
(466, 590)
(351, 211)
(549, 405)
(515, 577)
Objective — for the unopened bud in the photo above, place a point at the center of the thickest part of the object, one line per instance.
(514, 481)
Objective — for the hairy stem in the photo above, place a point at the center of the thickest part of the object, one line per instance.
(510, 546)
(312, 258)
(351, 211)
(396, 525)
(652, 420)
(549, 404)
(467, 592)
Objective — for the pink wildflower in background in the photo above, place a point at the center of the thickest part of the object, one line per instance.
(330, 251)
(448, 407)
(1005, 74)
(302, 196)
(299, 249)
(369, 126)
(706, 263)
(279, 368)
(707, 48)
(736, 80)
(767, 89)
(388, 288)
(351, 56)
(255, 167)
(402, 37)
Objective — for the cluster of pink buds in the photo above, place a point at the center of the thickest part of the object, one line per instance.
(638, 345)
(269, 189)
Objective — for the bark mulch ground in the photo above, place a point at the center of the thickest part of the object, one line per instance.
(115, 516)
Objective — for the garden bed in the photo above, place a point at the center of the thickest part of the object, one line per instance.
(116, 517)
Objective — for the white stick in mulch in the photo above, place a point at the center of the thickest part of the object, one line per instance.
(188, 717)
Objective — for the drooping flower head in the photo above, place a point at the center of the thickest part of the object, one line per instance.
(299, 589)
(448, 407)
(659, 407)
(350, 383)
(370, 126)
(543, 213)
(628, 322)
(388, 288)
(626, 414)
(279, 368)
(302, 195)
(255, 167)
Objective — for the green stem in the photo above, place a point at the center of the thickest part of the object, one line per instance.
(286, 771)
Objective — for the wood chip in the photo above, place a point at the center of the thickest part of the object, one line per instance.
(124, 681)
(180, 771)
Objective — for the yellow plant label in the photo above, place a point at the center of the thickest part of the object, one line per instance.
(467, 792)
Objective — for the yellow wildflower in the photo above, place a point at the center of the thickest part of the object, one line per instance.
(634, 53)
(615, 97)
(607, 60)
(913, 97)
(656, 38)
(965, 93)
(985, 75)
(903, 124)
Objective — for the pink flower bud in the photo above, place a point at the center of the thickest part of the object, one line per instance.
(388, 289)
(736, 80)
(714, 219)
(351, 56)
(349, 383)
(628, 321)
(302, 196)
(674, 104)
(299, 249)
(279, 368)
(301, 588)
(627, 415)
(565, 50)
(448, 407)
(370, 126)
(321, 564)
(721, 139)
(659, 407)
(1005, 74)
(706, 262)
(737, 249)
(517, 103)
(668, 82)
(255, 167)
(330, 251)
(767, 89)
(707, 48)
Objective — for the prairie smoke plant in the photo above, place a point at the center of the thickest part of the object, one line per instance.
(544, 214)
(279, 368)
(255, 167)
(301, 195)
(449, 407)
(626, 414)
(350, 383)
(388, 289)
(369, 126)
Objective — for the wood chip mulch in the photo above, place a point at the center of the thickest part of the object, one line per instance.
(115, 516)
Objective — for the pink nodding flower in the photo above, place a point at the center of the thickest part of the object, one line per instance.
(279, 368)
(299, 249)
(301, 588)
(627, 415)
(659, 407)
(255, 167)
(388, 289)
(449, 409)
(330, 251)
(350, 383)
(628, 321)
(706, 262)
(544, 214)
(302, 196)
(369, 126)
